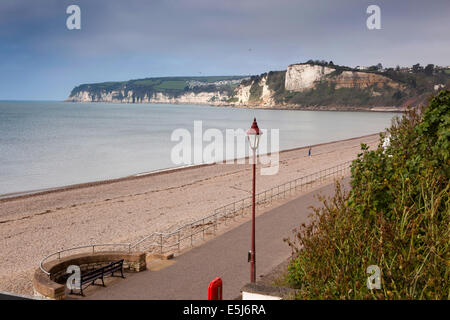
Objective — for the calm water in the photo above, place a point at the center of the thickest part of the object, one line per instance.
(50, 144)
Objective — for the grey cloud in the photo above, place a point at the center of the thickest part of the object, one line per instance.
(134, 38)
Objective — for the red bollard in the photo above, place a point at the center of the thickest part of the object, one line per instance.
(215, 289)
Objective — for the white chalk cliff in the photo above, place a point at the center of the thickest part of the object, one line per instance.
(214, 98)
(301, 77)
(253, 92)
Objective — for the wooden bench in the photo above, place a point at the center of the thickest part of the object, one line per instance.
(90, 277)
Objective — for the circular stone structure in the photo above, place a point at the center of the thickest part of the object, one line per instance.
(53, 286)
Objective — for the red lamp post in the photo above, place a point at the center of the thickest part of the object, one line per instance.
(253, 138)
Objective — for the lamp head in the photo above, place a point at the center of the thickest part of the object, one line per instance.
(253, 135)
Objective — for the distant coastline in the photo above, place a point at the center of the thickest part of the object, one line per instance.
(315, 85)
(274, 107)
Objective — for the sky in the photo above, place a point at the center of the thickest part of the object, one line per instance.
(41, 59)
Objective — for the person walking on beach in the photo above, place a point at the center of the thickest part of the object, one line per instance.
(309, 152)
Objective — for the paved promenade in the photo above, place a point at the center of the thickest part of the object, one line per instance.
(188, 275)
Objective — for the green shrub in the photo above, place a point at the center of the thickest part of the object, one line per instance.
(396, 216)
(275, 81)
(255, 92)
(326, 94)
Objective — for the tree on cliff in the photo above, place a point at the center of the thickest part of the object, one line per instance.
(429, 69)
(417, 68)
(376, 67)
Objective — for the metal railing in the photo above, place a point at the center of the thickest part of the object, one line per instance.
(91, 246)
(209, 224)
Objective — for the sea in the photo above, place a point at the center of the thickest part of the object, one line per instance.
(48, 144)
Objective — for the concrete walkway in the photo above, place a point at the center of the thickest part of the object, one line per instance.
(188, 275)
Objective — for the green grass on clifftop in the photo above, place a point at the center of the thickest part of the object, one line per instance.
(172, 86)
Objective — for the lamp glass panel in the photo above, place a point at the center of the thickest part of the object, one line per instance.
(253, 139)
